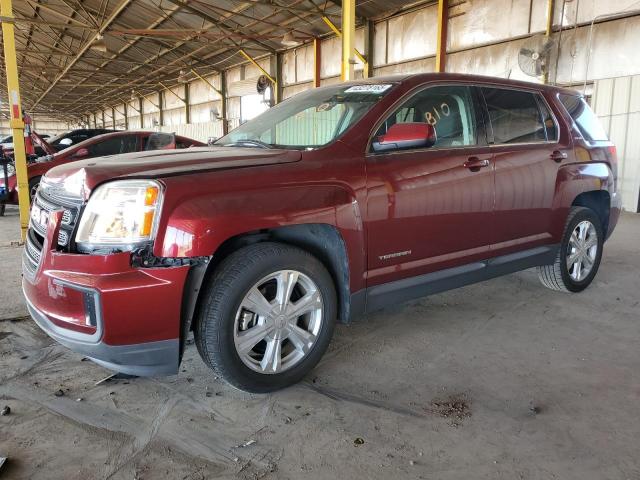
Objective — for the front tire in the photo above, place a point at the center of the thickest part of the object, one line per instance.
(579, 255)
(34, 184)
(268, 317)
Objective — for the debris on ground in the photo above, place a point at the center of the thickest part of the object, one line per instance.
(534, 408)
(105, 379)
(6, 410)
(59, 393)
(455, 407)
(248, 443)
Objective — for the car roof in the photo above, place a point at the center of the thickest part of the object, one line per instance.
(460, 77)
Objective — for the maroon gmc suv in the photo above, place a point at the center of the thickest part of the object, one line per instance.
(336, 202)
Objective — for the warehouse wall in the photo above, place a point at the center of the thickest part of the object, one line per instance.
(41, 124)
(598, 41)
(617, 103)
(484, 37)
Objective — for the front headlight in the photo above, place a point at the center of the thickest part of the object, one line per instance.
(123, 213)
(11, 170)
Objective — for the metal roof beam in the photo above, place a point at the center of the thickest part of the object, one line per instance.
(123, 5)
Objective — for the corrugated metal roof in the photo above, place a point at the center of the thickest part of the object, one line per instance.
(151, 41)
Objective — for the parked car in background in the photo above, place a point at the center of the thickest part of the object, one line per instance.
(98, 146)
(59, 142)
(67, 139)
(6, 147)
(337, 202)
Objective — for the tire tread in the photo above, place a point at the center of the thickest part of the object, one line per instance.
(551, 275)
(207, 329)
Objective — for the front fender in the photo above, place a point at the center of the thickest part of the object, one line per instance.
(196, 225)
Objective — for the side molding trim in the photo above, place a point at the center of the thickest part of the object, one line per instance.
(381, 296)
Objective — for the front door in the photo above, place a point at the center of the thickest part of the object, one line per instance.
(431, 208)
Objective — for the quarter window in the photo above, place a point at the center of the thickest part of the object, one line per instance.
(448, 108)
(585, 119)
(516, 117)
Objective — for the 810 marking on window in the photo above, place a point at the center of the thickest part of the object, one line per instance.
(438, 112)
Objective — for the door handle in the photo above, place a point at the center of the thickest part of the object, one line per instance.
(475, 164)
(558, 156)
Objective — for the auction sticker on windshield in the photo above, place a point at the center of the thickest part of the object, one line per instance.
(377, 88)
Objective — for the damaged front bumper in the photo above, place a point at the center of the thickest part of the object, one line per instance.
(124, 318)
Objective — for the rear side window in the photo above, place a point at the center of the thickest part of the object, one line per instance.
(519, 117)
(585, 119)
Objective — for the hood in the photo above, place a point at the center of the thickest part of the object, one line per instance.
(42, 143)
(164, 163)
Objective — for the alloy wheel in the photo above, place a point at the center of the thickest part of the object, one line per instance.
(582, 250)
(278, 322)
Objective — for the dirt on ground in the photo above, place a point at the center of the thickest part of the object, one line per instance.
(499, 380)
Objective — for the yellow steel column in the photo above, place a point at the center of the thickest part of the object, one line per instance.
(17, 125)
(348, 38)
(441, 48)
(547, 33)
(317, 59)
(361, 57)
(272, 79)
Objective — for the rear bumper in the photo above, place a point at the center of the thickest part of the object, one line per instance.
(614, 212)
(122, 317)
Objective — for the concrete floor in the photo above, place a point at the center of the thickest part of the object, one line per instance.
(503, 379)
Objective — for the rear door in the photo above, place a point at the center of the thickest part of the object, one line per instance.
(431, 208)
(528, 149)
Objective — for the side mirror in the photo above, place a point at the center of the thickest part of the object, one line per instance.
(81, 153)
(402, 136)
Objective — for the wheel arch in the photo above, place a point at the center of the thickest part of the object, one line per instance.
(599, 201)
(324, 241)
(584, 184)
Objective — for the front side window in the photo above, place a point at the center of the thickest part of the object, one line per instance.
(310, 119)
(515, 116)
(448, 108)
(113, 146)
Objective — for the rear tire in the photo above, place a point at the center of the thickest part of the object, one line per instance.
(282, 294)
(579, 255)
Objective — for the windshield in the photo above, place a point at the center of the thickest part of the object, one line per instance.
(308, 120)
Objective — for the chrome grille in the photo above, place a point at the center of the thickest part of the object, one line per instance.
(31, 255)
(48, 201)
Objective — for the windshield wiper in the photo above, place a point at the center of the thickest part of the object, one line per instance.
(249, 143)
